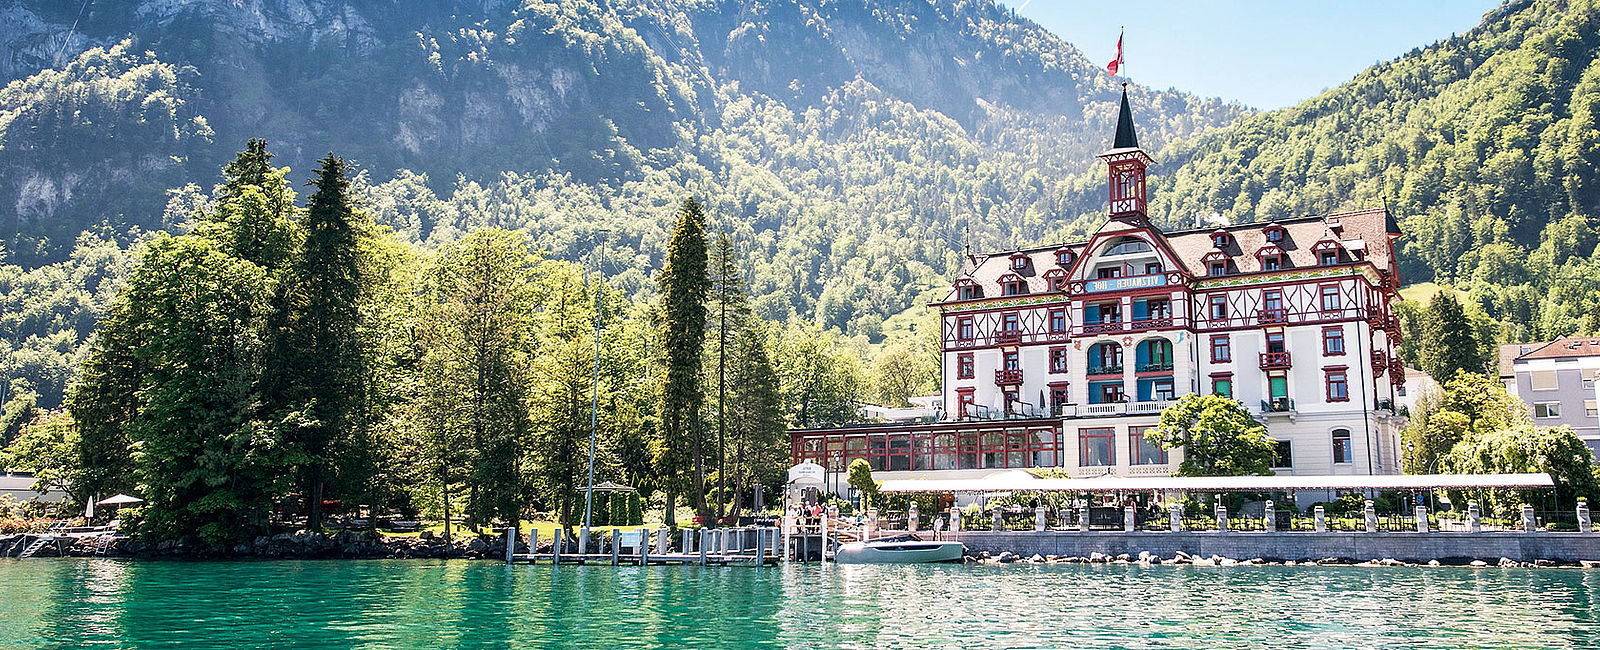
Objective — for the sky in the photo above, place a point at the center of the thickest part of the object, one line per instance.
(1264, 54)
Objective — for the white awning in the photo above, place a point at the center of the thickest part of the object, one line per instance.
(1013, 481)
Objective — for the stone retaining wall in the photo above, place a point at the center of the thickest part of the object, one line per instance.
(1408, 547)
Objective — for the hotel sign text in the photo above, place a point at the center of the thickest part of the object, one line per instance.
(1124, 284)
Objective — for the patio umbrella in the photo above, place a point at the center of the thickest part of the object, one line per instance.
(119, 500)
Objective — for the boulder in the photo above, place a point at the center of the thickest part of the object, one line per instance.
(1478, 563)
(1098, 557)
(1036, 559)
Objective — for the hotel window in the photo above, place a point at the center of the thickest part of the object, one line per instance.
(964, 366)
(964, 328)
(1161, 390)
(1152, 268)
(1219, 240)
(1222, 385)
(1282, 454)
(1221, 349)
(1278, 391)
(1219, 268)
(944, 451)
(1543, 380)
(1010, 325)
(965, 403)
(1328, 258)
(1547, 410)
(1019, 262)
(1330, 297)
(1332, 341)
(1063, 258)
(1274, 234)
(1108, 272)
(1042, 447)
(968, 451)
(1272, 301)
(969, 292)
(1271, 262)
(1010, 361)
(1275, 342)
(1338, 385)
(1590, 409)
(1058, 321)
(1219, 307)
(1014, 288)
(899, 458)
(992, 446)
(1343, 453)
(1097, 447)
(1141, 450)
(1058, 396)
(1058, 360)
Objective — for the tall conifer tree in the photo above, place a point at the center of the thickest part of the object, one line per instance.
(683, 288)
(729, 309)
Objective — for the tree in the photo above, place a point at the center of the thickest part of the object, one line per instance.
(901, 372)
(860, 478)
(729, 309)
(47, 446)
(563, 392)
(1525, 448)
(683, 285)
(1217, 435)
(760, 452)
(1471, 403)
(1448, 343)
(820, 382)
(313, 382)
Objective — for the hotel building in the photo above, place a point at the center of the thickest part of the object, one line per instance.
(1063, 356)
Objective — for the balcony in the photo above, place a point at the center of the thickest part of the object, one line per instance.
(1153, 407)
(1156, 366)
(1008, 377)
(1277, 405)
(1008, 336)
(1274, 360)
(1150, 324)
(1096, 371)
(1103, 327)
(1272, 316)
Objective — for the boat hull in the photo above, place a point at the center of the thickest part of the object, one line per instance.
(899, 553)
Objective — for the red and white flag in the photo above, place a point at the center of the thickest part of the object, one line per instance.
(1116, 63)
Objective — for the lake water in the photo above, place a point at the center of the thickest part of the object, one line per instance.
(427, 604)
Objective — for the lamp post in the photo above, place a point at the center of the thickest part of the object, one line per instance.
(594, 406)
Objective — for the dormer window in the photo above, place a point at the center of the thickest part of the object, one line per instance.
(1271, 262)
(1218, 268)
(1274, 233)
(1019, 262)
(1327, 252)
(1056, 279)
(1011, 285)
(966, 289)
(1220, 239)
(1063, 258)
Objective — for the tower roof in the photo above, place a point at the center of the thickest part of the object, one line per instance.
(1126, 139)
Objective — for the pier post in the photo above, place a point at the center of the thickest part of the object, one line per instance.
(1175, 517)
(1319, 520)
(688, 540)
(1038, 519)
(1269, 517)
(703, 543)
(533, 545)
(999, 521)
(583, 540)
(1371, 515)
(955, 519)
(511, 544)
(555, 547)
(1422, 518)
(616, 546)
(1222, 518)
(644, 552)
(1584, 524)
(871, 523)
(1083, 516)
(1129, 519)
(1527, 519)
(788, 535)
(662, 541)
(1474, 518)
(823, 554)
(912, 517)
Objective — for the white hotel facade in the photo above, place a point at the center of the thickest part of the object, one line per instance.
(1062, 356)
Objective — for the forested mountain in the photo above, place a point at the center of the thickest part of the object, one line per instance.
(845, 146)
(1485, 145)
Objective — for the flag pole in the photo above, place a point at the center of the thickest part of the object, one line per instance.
(594, 407)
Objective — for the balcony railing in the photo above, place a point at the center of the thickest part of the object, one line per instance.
(1103, 327)
(1269, 316)
(1008, 336)
(1150, 324)
(1278, 405)
(1274, 360)
(1156, 366)
(1104, 370)
(1156, 406)
(1007, 377)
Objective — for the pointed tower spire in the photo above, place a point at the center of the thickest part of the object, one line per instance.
(1126, 164)
(1126, 138)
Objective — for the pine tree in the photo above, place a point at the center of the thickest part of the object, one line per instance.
(1448, 343)
(684, 284)
(313, 381)
(729, 309)
(756, 413)
(104, 402)
(562, 396)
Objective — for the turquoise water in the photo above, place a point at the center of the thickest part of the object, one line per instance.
(428, 604)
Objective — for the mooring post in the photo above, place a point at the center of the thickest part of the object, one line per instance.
(583, 540)
(999, 523)
(1474, 518)
(662, 542)
(688, 540)
(1527, 519)
(616, 546)
(1222, 518)
(1129, 521)
(912, 517)
(1269, 515)
(511, 544)
(533, 546)
(703, 540)
(787, 524)
(644, 552)
(1038, 519)
(1371, 515)
(1319, 520)
(1422, 518)
(1584, 524)
(555, 547)
(1175, 517)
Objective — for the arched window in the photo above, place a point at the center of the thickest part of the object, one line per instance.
(1155, 355)
(1105, 359)
(1127, 245)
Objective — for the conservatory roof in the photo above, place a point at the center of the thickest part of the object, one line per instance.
(1009, 481)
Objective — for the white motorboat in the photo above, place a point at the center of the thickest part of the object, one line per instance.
(899, 549)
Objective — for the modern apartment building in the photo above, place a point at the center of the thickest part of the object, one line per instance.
(1557, 381)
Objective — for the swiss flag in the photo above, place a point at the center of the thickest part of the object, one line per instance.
(1116, 63)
